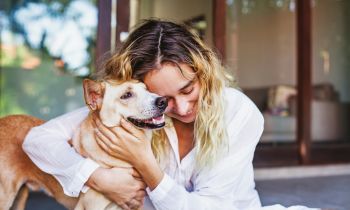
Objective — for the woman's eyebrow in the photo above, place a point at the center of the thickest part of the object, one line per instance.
(187, 85)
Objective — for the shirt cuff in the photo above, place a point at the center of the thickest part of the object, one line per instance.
(87, 167)
(163, 188)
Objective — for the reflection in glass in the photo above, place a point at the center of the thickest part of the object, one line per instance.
(261, 53)
(331, 71)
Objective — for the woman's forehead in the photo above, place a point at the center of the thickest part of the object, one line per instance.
(169, 78)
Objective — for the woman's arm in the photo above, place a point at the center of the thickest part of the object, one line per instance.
(47, 146)
(121, 185)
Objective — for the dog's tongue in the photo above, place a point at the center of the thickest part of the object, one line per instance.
(156, 120)
(159, 118)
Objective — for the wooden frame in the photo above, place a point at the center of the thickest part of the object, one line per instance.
(123, 19)
(219, 27)
(304, 83)
(103, 43)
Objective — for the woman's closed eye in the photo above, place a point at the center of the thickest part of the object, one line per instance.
(188, 90)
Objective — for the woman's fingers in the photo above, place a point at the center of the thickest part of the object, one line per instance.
(102, 138)
(141, 185)
(106, 144)
(134, 204)
(125, 142)
(116, 134)
(138, 200)
(104, 130)
(140, 195)
(135, 173)
(131, 129)
(124, 206)
(101, 142)
(107, 137)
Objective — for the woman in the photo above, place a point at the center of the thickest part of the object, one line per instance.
(202, 159)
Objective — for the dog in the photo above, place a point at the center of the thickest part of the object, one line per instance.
(110, 101)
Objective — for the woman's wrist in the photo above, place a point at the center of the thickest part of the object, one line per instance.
(92, 182)
(150, 171)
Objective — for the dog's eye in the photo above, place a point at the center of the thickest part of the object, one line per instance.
(126, 95)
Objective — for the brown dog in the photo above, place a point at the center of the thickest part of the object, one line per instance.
(110, 102)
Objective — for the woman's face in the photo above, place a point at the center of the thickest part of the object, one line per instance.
(182, 92)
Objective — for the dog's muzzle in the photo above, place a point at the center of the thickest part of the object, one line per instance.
(155, 122)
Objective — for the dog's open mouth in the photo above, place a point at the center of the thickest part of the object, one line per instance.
(151, 123)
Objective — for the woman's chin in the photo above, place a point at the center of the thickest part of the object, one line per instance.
(184, 119)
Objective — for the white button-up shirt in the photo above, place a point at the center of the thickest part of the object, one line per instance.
(229, 185)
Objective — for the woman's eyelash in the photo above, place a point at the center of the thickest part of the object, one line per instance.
(188, 91)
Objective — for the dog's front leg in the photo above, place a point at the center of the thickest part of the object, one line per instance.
(93, 200)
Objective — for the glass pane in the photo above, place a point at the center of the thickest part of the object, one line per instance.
(331, 71)
(46, 50)
(261, 44)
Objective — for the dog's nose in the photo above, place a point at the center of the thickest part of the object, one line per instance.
(162, 103)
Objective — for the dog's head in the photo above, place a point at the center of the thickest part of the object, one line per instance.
(129, 100)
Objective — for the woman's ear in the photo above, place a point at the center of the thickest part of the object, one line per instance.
(93, 94)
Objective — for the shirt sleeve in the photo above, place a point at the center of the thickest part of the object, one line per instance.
(47, 146)
(230, 183)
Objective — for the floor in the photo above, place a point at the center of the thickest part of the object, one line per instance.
(322, 192)
(331, 192)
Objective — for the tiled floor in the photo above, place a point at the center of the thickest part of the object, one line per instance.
(326, 192)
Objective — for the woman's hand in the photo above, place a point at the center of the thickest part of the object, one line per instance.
(130, 144)
(121, 185)
(127, 143)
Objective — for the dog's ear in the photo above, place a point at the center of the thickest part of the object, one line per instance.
(93, 94)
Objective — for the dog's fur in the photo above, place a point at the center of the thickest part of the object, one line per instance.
(110, 102)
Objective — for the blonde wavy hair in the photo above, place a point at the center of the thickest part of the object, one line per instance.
(155, 42)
